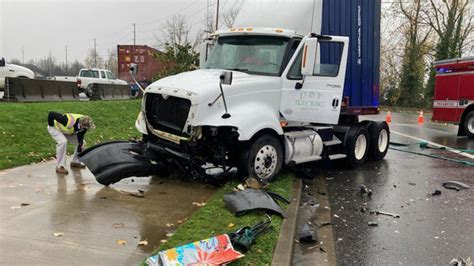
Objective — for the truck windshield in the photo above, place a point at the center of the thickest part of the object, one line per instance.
(252, 54)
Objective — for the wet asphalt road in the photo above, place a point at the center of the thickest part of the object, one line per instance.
(431, 230)
(91, 217)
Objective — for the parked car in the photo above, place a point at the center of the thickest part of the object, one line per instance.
(13, 71)
(89, 76)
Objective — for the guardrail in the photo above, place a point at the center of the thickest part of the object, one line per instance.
(39, 90)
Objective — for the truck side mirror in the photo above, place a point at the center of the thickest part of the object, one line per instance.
(133, 69)
(309, 56)
(226, 77)
(2, 62)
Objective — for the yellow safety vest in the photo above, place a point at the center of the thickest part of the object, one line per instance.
(69, 128)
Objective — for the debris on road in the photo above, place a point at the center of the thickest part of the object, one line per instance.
(436, 193)
(169, 234)
(461, 261)
(143, 243)
(139, 194)
(412, 184)
(394, 215)
(365, 190)
(239, 202)
(455, 185)
(199, 204)
(325, 224)
(121, 242)
(118, 225)
(306, 235)
(58, 234)
(372, 224)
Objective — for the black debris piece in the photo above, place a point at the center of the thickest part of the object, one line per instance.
(412, 184)
(372, 224)
(307, 235)
(240, 202)
(365, 190)
(394, 215)
(455, 185)
(436, 193)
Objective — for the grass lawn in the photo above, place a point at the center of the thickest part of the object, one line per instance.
(24, 138)
(213, 219)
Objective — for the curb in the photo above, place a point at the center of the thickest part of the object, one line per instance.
(283, 254)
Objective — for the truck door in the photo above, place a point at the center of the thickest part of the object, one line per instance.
(315, 96)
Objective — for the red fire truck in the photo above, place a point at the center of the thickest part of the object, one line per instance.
(454, 94)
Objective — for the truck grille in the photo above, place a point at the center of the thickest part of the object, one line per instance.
(168, 115)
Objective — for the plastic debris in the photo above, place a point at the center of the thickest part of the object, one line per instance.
(118, 225)
(365, 190)
(455, 185)
(199, 204)
(394, 215)
(231, 225)
(58, 234)
(143, 243)
(121, 242)
(306, 235)
(169, 234)
(461, 261)
(372, 224)
(201, 252)
(139, 194)
(240, 202)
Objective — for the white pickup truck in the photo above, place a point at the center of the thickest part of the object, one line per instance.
(89, 76)
(13, 71)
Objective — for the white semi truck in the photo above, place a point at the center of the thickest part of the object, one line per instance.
(263, 98)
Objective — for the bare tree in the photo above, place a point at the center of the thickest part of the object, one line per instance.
(175, 31)
(92, 58)
(111, 61)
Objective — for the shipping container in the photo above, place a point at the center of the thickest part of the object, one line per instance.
(360, 21)
(144, 56)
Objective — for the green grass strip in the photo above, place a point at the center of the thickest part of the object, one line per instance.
(24, 138)
(213, 219)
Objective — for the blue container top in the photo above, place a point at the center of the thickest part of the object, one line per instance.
(360, 21)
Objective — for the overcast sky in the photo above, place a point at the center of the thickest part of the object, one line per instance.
(42, 26)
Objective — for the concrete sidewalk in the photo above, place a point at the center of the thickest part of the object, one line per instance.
(91, 217)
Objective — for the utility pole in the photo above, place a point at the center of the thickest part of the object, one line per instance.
(134, 34)
(217, 16)
(66, 58)
(95, 53)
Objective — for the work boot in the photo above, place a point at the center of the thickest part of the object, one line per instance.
(77, 165)
(61, 170)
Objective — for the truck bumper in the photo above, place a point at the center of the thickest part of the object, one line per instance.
(111, 162)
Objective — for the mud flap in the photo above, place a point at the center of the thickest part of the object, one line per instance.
(111, 162)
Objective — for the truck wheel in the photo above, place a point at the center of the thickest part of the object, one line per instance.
(356, 145)
(469, 125)
(264, 159)
(379, 135)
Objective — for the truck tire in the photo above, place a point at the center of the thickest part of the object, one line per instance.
(379, 136)
(356, 145)
(469, 125)
(263, 159)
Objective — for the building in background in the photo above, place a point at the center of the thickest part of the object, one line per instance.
(143, 56)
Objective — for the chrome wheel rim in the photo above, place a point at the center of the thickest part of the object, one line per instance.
(265, 162)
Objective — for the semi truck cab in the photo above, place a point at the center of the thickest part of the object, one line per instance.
(263, 98)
